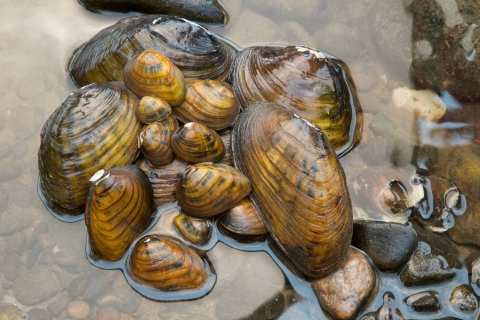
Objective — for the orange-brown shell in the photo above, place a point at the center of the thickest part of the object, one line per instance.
(119, 208)
(156, 139)
(226, 136)
(194, 230)
(153, 74)
(243, 220)
(151, 109)
(298, 186)
(207, 189)
(196, 143)
(209, 102)
(167, 264)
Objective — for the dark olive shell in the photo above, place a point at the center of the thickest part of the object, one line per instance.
(207, 189)
(197, 52)
(207, 12)
(164, 179)
(151, 109)
(95, 128)
(194, 230)
(298, 186)
(196, 143)
(243, 220)
(119, 208)
(166, 264)
(156, 141)
(313, 84)
(226, 136)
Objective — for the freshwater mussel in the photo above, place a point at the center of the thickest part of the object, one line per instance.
(298, 186)
(155, 141)
(151, 109)
(194, 50)
(313, 84)
(194, 230)
(95, 128)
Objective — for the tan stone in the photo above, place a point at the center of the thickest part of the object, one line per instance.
(343, 293)
(78, 309)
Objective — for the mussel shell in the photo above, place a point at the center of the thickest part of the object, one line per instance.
(150, 73)
(207, 189)
(119, 208)
(196, 143)
(298, 186)
(196, 51)
(155, 141)
(164, 179)
(226, 136)
(194, 230)
(167, 264)
(313, 84)
(243, 220)
(151, 109)
(95, 128)
(210, 12)
(209, 102)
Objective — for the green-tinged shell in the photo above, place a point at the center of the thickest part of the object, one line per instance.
(119, 208)
(208, 102)
(95, 128)
(313, 84)
(226, 136)
(194, 230)
(298, 186)
(208, 12)
(207, 189)
(151, 109)
(150, 73)
(156, 141)
(196, 143)
(197, 52)
(243, 220)
(166, 264)
(164, 179)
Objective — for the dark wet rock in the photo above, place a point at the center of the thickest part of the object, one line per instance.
(98, 286)
(463, 298)
(22, 194)
(108, 314)
(10, 312)
(10, 267)
(38, 314)
(425, 268)
(424, 301)
(35, 285)
(57, 306)
(78, 309)
(343, 293)
(17, 242)
(389, 310)
(79, 284)
(467, 226)
(250, 298)
(338, 39)
(389, 245)
(12, 223)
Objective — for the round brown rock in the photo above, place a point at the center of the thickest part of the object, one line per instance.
(78, 309)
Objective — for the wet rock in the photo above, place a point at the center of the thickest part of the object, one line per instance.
(424, 103)
(57, 306)
(34, 286)
(467, 226)
(463, 298)
(121, 297)
(78, 309)
(364, 76)
(374, 150)
(12, 223)
(79, 284)
(64, 278)
(10, 312)
(250, 298)
(33, 255)
(338, 39)
(343, 293)
(38, 314)
(389, 245)
(10, 267)
(72, 264)
(228, 266)
(17, 242)
(388, 310)
(425, 268)
(98, 286)
(108, 314)
(247, 26)
(22, 194)
(424, 301)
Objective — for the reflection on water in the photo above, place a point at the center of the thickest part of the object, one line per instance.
(385, 43)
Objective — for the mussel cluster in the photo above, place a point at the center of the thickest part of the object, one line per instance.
(177, 110)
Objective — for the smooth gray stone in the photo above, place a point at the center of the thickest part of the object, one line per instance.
(35, 286)
(12, 223)
(38, 314)
(389, 245)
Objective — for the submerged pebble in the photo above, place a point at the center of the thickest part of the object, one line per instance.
(9, 311)
(38, 314)
(35, 286)
(425, 103)
(424, 301)
(78, 309)
(57, 305)
(463, 298)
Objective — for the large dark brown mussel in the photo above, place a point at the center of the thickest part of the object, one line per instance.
(313, 84)
(197, 52)
(119, 208)
(210, 12)
(298, 186)
(95, 128)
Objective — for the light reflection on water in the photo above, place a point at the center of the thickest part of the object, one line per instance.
(37, 38)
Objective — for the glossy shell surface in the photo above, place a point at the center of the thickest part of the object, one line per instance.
(313, 84)
(194, 230)
(196, 51)
(151, 109)
(95, 128)
(196, 143)
(243, 220)
(209, 102)
(156, 141)
(119, 208)
(207, 189)
(298, 186)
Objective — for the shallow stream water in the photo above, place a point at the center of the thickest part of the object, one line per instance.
(377, 40)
